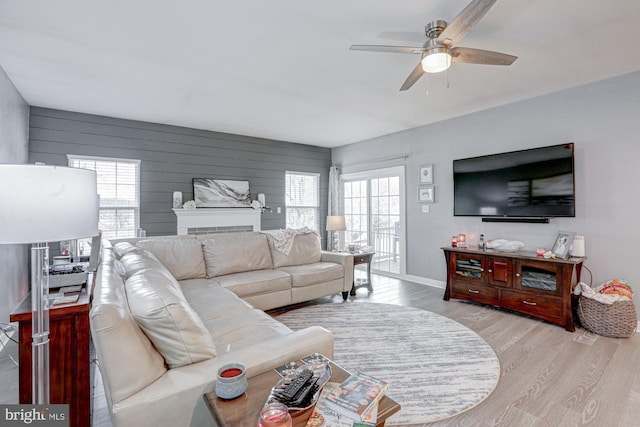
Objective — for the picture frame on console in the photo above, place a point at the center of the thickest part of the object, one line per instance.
(562, 244)
(426, 194)
(426, 174)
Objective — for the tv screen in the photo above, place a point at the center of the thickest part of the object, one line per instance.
(530, 183)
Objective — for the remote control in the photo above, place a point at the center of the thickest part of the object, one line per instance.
(303, 393)
(294, 386)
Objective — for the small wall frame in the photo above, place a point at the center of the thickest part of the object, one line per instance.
(426, 194)
(426, 174)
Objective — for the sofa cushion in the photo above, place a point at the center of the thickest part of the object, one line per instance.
(113, 328)
(306, 249)
(135, 261)
(246, 328)
(210, 300)
(182, 257)
(123, 248)
(163, 313)
(311, 274)
(255, 282)
(228, 253)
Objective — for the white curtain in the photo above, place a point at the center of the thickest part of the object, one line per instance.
(335, 199)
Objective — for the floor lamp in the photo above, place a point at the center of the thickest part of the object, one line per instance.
(336, 223)
(40, 204)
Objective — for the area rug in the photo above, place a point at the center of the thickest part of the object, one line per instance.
(436, 368)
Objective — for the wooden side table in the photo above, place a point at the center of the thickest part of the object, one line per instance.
(69, 355)
(362, 258)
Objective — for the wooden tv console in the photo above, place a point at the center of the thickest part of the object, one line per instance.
(519, 281)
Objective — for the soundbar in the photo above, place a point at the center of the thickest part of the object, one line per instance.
(532, 220)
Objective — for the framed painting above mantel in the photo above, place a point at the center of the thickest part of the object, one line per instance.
(221, 193)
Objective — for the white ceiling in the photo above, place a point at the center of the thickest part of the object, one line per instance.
(282, 69)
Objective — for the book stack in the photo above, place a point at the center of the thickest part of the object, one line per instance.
(66, 295)
(354, 402)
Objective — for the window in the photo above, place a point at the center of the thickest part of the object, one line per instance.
(119, 191)
(302, 200)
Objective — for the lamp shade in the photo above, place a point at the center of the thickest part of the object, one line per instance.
(47, 203)
(336, 223)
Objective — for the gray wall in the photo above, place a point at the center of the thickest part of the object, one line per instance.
(171, 156)
(601, 118)
(14, 140)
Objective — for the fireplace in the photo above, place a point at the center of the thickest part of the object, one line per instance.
(217, 220)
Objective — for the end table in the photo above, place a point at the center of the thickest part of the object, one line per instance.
(70, 361)
(362, 258)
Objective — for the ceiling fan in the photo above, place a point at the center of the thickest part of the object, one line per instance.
(441, 48)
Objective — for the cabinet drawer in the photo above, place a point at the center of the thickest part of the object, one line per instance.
(361, 259)
(473, 292)
(528, 303)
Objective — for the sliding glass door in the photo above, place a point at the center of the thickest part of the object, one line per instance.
(374, 212)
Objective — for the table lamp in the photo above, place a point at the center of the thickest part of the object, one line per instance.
(336, 223)
(42, 204)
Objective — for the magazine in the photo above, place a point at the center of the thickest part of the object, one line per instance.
(323, 416)
(357, 396)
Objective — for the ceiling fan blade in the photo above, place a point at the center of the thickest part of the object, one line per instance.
(388, 49)
(402, 36)
(464, 22)
(480, 56)
(413, 77)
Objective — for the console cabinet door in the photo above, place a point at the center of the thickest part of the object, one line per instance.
(468, 279)
(467, 268)
(500, 271)
(539, 276)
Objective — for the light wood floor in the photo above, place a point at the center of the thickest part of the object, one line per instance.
(550, 377)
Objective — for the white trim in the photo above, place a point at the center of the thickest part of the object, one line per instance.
(414, 279)
(316, 206)
(73, 158)
(426, 281)
(98, 158)
(399, 171)
(638, 328)
(374, 173)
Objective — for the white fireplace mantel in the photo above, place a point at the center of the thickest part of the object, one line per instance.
(216, 220)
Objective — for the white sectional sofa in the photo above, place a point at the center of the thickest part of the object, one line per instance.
(167, 312)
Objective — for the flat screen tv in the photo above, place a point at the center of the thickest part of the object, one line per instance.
(535, 183)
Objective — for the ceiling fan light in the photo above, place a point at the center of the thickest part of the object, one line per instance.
(436, 62)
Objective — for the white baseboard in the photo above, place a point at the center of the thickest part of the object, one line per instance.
(425, 281)
(638, 328)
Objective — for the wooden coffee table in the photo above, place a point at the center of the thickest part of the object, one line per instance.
(245, 410)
